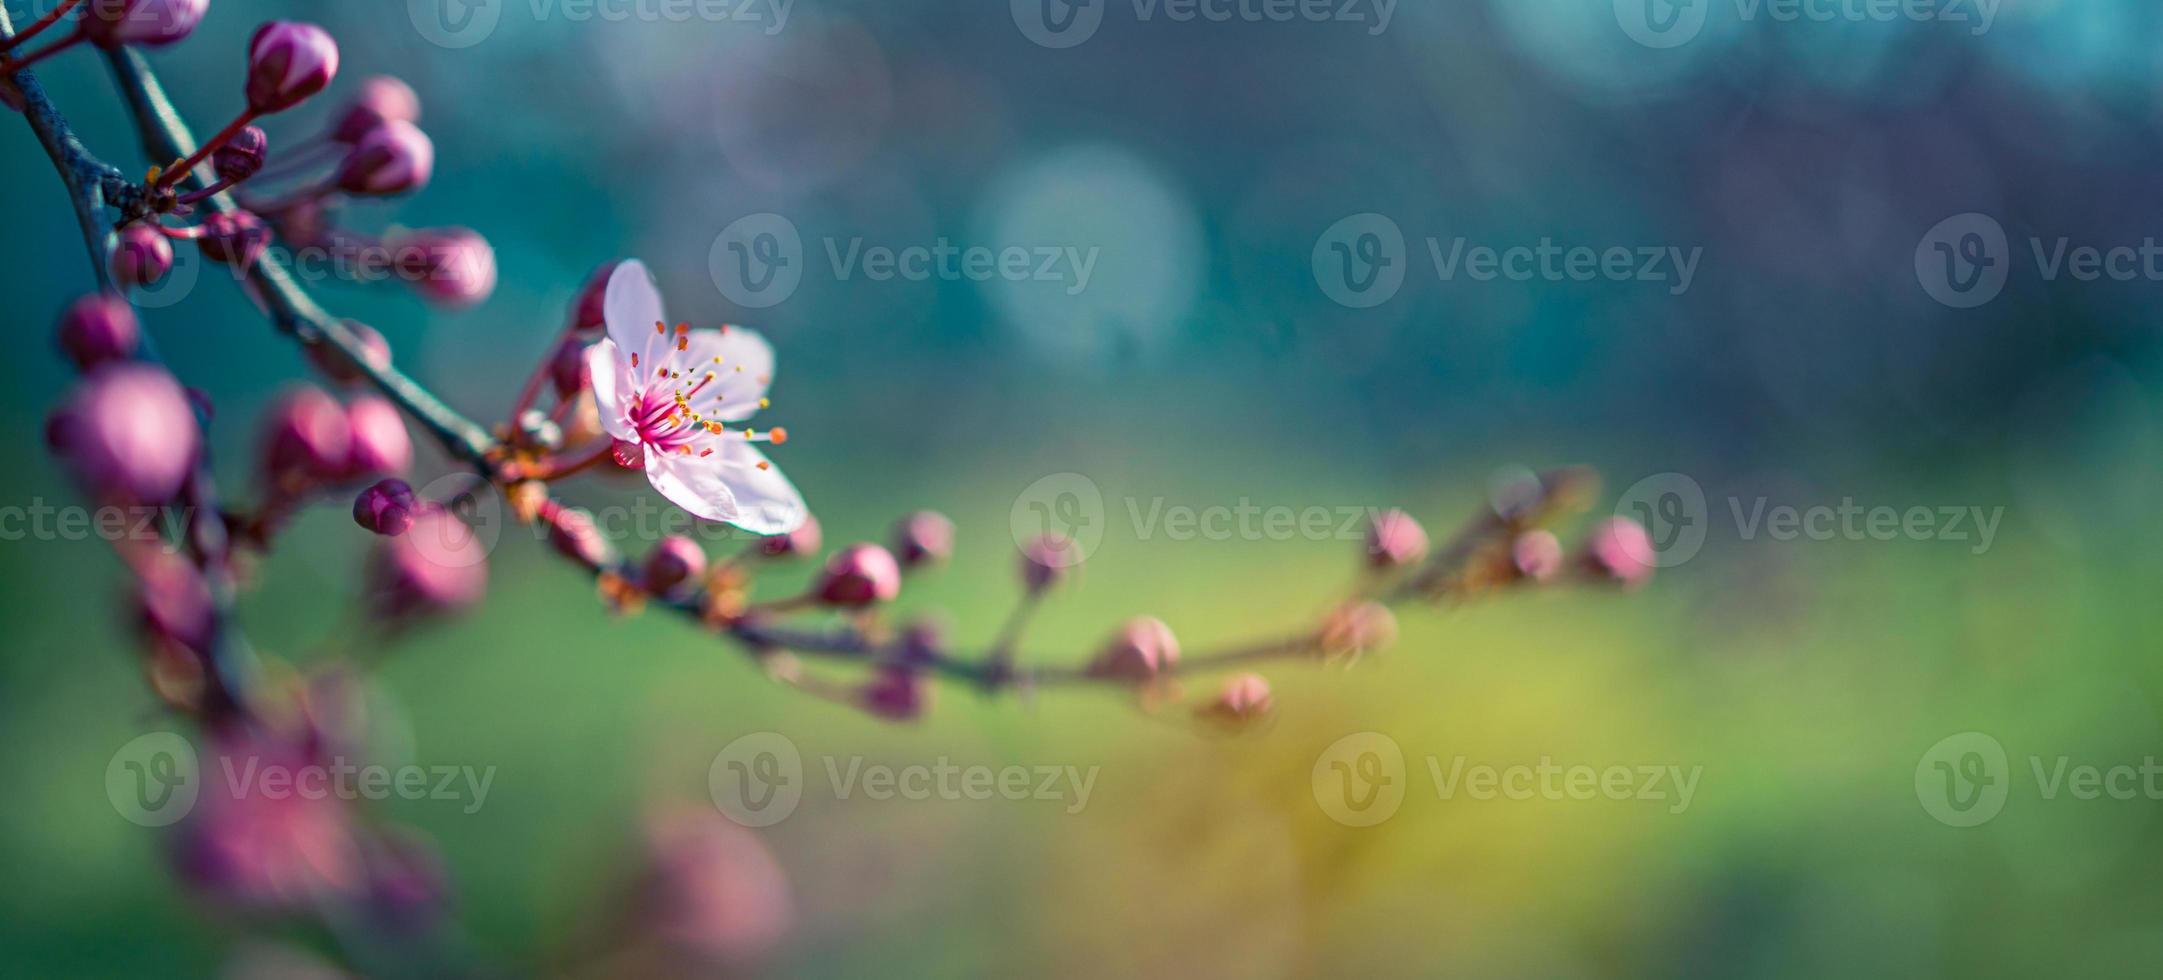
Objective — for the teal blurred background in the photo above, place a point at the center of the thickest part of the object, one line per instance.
(1205, 365)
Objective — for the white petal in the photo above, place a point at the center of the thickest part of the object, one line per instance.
(741, 377)
(613, 388)
(767, 503)
(698, 484)
(632, 306)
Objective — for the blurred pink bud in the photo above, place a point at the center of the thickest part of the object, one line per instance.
(567, 370)
(262, 850)
(1143, 648)
(1621, 552)
(241, 156)
(236, 238)
(1045, 560)
(674, 560)
(439, 565)
(381, 99)
(805, 540)
(288, 61)
(99, 328)
(1244, 699)
(174, 600)
(146, 23)
(379, 443)
(710, 890)
(393, 158)
(306, 440)
(1395, 540)
(338, 367)
(1357, 629)
(859, 575)
(386, 508)
(923, 537)
(452, 266)
(575, 536)
(1536, 555)
(130, 433)
(896, 694)
(589, 313)
(141, 256)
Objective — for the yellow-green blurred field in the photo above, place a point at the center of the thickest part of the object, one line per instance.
(1806, 679)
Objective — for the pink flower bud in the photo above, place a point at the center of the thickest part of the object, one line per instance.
(1621, 552)
(130, 433)
(859, 575)
(1045, 561)
(923, 537)
(589, 312)
(241, 156)
(452, 266)
(439, 565)
(379, 444)
(577, 537)
(381, 99)
(1143, 648)
(1244, 699)
(236, 238)
(393, 158)
(1395, 540)
(306, 440)
(174, 600)
(895, 694)
(288, 62)
(567, 370)
(336, 366)
(1536, 555)
(1357, 629)
(141, 256)
(710, 893)
(674, 560)
(805, 540)
(146, 23)
(386, 508)
(99, 328)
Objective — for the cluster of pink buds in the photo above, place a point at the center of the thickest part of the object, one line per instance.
(106, 24)
(373, 148)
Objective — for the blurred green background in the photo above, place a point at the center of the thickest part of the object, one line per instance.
(1205, 366)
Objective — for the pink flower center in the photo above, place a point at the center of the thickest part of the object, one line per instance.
(671, 388)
